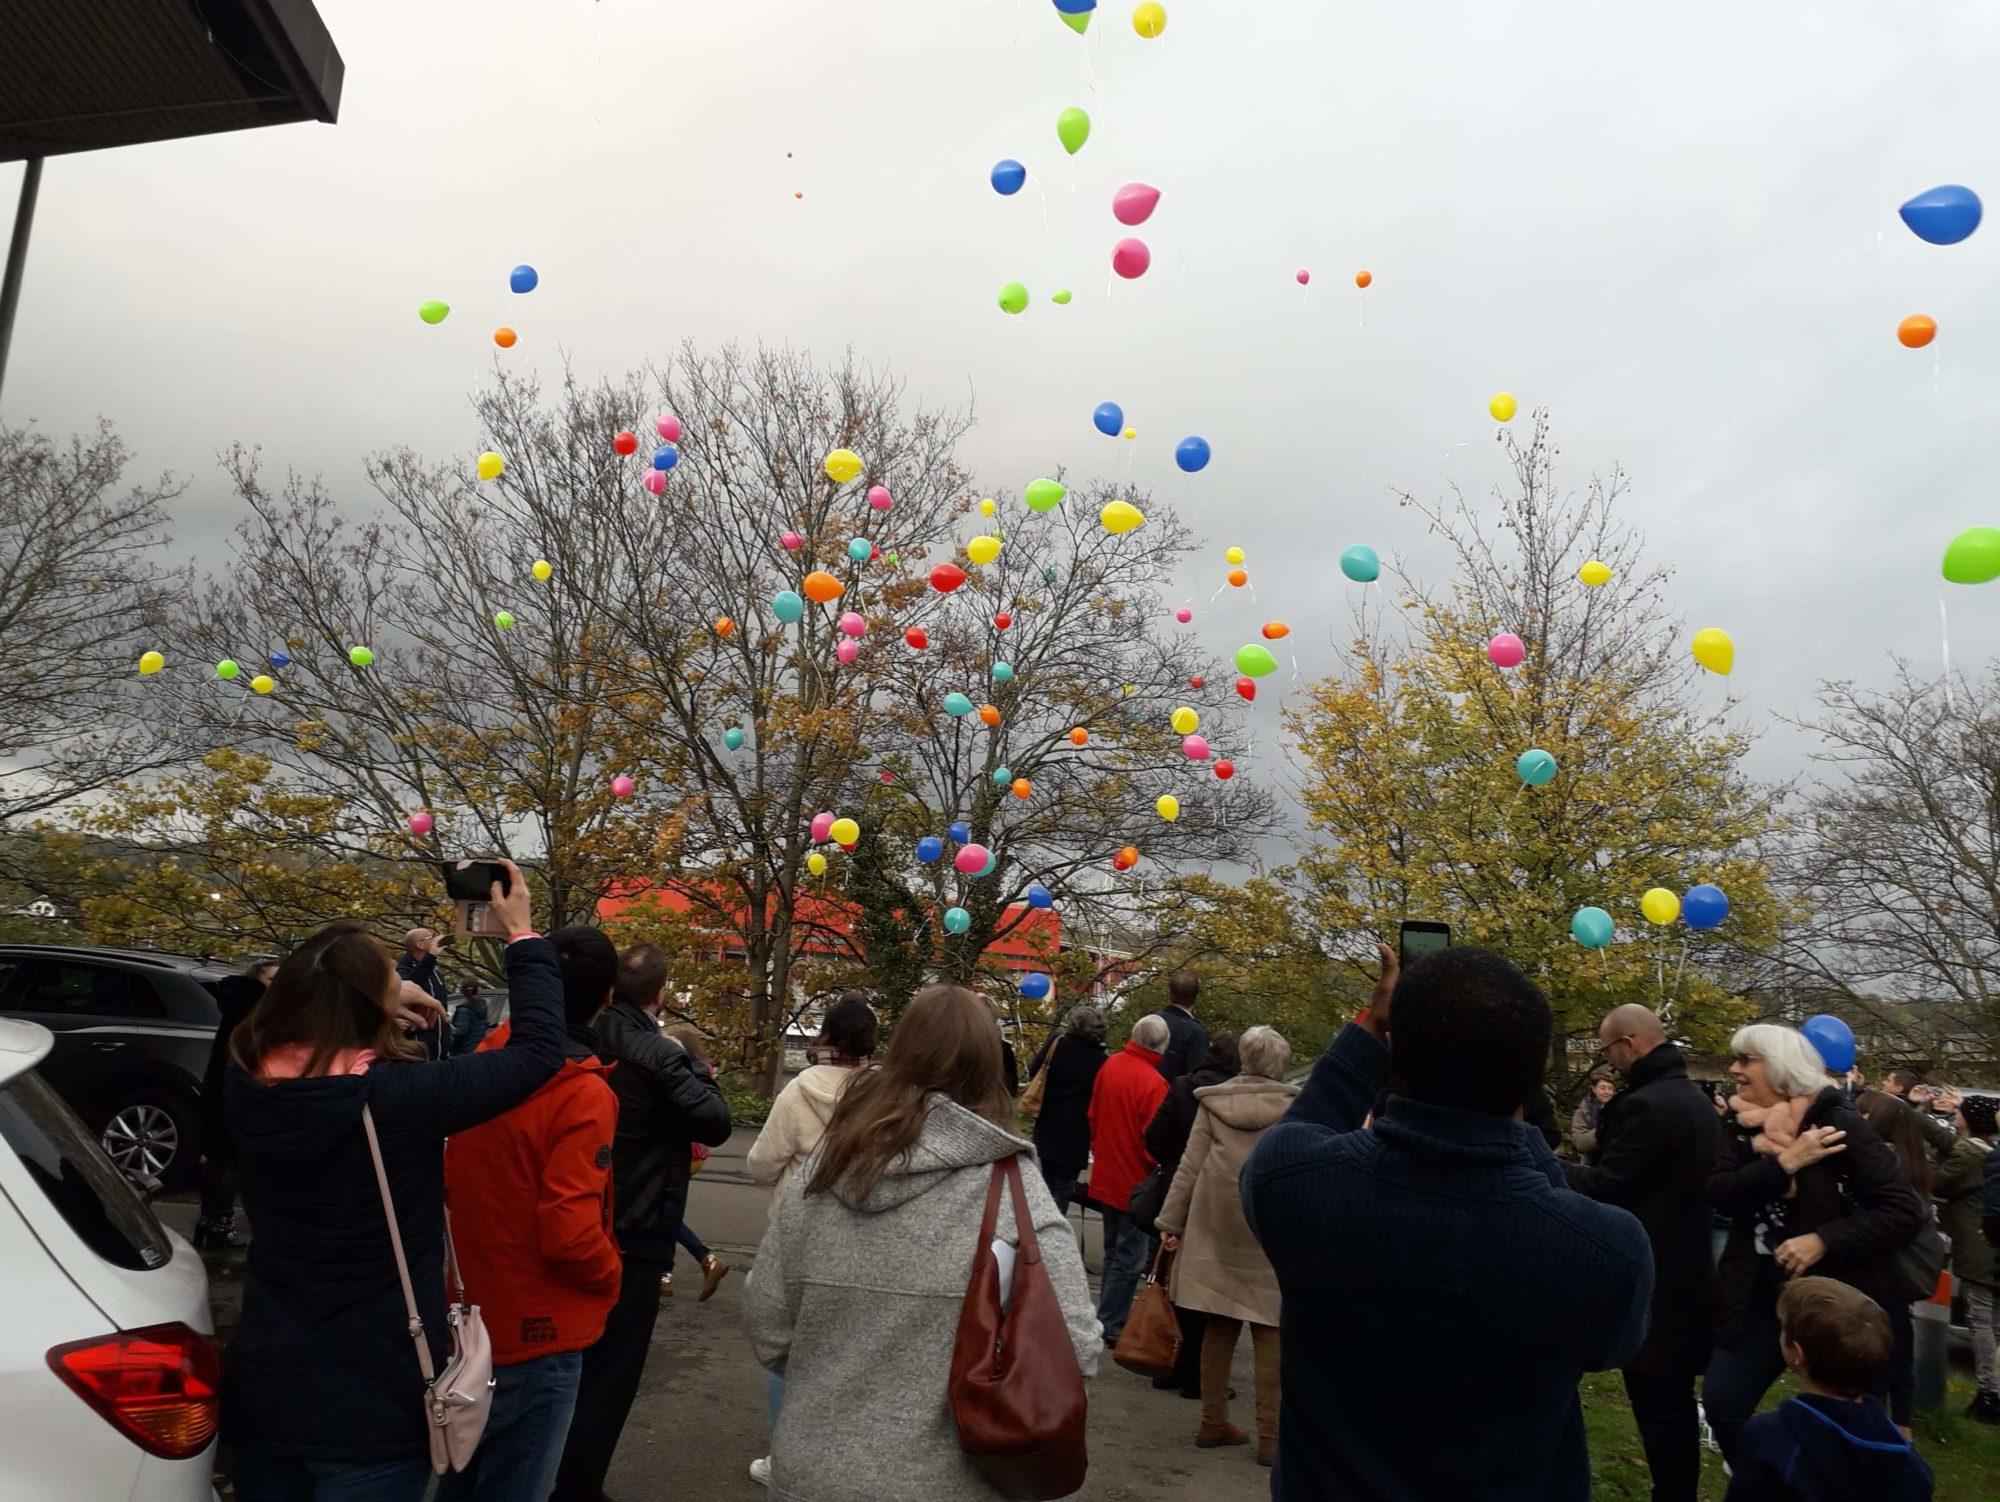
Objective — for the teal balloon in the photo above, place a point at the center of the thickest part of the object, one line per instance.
(957, 705)
(1536, 768)
(956, 920)
(1002, 776)
(1591, 927)
(859, 549)
(1048, 576)
(733, 738)
(788, 606)
(1003, 672)
(1360, 564)
(992, 860)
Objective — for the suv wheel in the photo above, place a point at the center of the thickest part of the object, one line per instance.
(149, 1135)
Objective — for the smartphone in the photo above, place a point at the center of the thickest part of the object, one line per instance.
(1415, 940)
(469, 885)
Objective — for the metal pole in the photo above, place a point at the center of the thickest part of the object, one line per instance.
(17, 258)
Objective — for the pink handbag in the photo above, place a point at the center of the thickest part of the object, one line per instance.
(456, 1400)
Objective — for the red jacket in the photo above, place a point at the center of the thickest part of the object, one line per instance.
(1128, 1092)
(530, 1199)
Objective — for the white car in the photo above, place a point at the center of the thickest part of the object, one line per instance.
(109, 1376)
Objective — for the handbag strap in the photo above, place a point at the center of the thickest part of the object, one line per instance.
(1029, 1248)
(396, 1241)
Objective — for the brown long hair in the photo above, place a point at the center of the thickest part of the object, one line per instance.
(327, 996)
(1896, 1124)
(946, 1043)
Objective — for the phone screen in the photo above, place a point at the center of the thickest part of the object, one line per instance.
(1415, 940)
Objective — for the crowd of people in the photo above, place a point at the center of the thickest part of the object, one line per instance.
(1401, 1202)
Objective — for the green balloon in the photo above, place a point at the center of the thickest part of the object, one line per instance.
(434, 311)
(1013, 298)
(504, 620)
(1061, 297)
(226, 668)
(1072, 129)
(1077, 23)
(1044, 495)
(1254, 661)
(1974, 556)
(361, 657)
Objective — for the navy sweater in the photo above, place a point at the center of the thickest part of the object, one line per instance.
(1816, 1449)
(1443, 1293)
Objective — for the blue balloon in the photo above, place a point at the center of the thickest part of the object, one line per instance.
(1360, 564)
(1035, 985)
(1003, 672)
(1943, 216)
(733, 738)
(1591, 927)
(961, 834)
(280, 660)
(956, 920)
(1040, 896)
(859, 548)
(956, 705)
(1109, 418)
(524, 279)
(1192, 455)
(1076, 7)
(1834, 1039)
(1536, 768)
(1008, 176)
(930, 848)
(665, 457)
(788, 605)
(1704, 907)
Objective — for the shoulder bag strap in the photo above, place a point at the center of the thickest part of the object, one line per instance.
(991, 1220)
(1029, 1247)
(396, 1241)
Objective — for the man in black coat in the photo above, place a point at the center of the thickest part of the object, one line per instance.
(1190, 1038)
(666, 1103)
(1062, 1126)
(1656, 1146)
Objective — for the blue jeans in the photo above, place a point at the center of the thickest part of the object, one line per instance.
(1061, 1182)
(517, 1457)
(268, 1478)
(1125, 1251)
(697, 1248)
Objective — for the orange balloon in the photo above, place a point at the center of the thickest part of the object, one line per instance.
(988, 715)
(1125, 859)
(1916, 331)
(1363, 278)
(1022, 787)
(724, 626)
(1079, 737)
(1238, 578)
(1275, 630)
(822, 588)
(504, 337)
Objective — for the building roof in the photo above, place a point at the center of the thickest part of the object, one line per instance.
(81, 75)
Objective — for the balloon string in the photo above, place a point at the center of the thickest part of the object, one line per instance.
(1944, 644)
(1680, 969)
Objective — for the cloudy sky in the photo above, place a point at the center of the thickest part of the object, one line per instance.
(1674, 227)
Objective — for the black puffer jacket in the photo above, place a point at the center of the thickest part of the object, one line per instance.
(1172, 1125)
(1857, 1201)
(666, 1103)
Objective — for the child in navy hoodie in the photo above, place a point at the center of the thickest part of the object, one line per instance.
(1832, 1443)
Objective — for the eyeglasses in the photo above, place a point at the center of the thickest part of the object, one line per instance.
(1745, 1059)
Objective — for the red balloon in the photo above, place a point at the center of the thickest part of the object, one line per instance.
(1197, 683)
(946, 577)
(888, 776)
(917, 637)
(1225, 769)
(1247, 687)
(1003, 620)
(626, 443)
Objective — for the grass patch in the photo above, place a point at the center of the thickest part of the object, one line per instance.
(1964, 1455)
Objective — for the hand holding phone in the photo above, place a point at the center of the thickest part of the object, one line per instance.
(492, 898)
(1415, 940)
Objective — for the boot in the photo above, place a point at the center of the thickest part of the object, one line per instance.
(1214, 1436)
(217, 1235)
(713, 1271)
(1985, 1408)
(1267, 1449)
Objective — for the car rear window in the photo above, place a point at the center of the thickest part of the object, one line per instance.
(81, 1182)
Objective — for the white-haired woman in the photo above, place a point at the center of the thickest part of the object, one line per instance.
(1809, 1188)
(1219, 1268)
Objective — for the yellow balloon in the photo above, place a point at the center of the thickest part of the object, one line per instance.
(490, 465)
(1714, 650)
(1131, 432)
(1169, 807)
(150, 663)
(1503, 406)
(1150, 19)
(842, 465)
(1660, 906)
(262, 684)
(1234, 555)
(1185, 721)
(983, 549)
(816, 863)
(845, 831)
(987, 508)
(544, 570)
(1121, 517)
(1595, 574)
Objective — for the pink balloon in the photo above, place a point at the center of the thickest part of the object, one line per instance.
(1184, 615)
(421, 823)
(1305, 276)
(1506, 650)
(879, 498)
(792, 541)
(655, 481)
(822, 826)
(971, 859)
(1194, 748)
(622, 786)
(847, 651)
(1129, 258)
(853, 623)
(670, 429)
(1133, 203)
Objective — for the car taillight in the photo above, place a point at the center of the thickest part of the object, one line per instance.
(158, 1385)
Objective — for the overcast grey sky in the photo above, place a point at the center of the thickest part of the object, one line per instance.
(1674, 226)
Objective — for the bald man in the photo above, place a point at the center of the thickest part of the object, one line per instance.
(1656, 1144)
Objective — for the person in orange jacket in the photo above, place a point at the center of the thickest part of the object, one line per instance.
(529, 1195)
(1123, 1101)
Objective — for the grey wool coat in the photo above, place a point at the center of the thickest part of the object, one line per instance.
(1221, 1269)
(856, 1304)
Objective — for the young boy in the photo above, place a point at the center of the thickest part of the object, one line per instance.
(1832, 1443)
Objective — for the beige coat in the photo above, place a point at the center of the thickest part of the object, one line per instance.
(1221, 1269)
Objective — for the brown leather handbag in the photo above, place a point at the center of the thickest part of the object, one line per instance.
(1016, 1391)
(1150, 1343)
